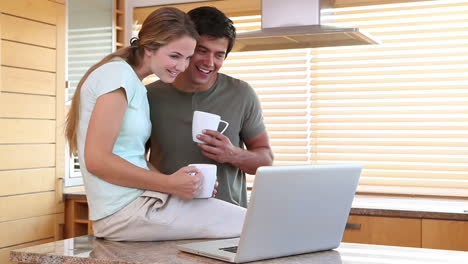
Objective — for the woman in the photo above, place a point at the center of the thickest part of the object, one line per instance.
(108, 125)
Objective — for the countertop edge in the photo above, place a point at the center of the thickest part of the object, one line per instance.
(409, 214)
(357, 210)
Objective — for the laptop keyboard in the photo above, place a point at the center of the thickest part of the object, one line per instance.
(230, 249)
(234, 249)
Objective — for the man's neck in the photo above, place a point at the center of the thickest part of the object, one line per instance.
(183, 83)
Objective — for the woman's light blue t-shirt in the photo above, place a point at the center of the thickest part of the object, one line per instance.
(105, 198)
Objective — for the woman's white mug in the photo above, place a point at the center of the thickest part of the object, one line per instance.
(204, 120)
(208, 172)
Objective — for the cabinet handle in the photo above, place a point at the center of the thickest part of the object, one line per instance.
(353, 226)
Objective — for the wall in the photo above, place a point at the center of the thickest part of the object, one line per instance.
(230, 7)
(252, 7)
(31, 122)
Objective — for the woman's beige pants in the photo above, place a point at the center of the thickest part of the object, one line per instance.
(150, 218)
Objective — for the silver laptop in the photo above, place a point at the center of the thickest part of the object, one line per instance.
(292, 210)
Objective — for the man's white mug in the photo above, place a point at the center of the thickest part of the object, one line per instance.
(203, 120)
(208, 172)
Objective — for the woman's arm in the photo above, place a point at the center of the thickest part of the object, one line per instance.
(103, 130)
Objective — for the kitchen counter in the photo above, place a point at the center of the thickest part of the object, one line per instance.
(89, 250)
(393, 206)
(411, 207)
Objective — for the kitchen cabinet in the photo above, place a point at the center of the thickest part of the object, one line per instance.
(445, 234)
(409, 232)
(119, 24)
(369, 224)
(77, 222)
(379, 230)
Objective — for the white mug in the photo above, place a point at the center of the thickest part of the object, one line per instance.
(208, 172)
(204, 120)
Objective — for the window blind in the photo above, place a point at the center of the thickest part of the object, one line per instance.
(400, 108)
(89, 39)
(86, 47)
(281, 80)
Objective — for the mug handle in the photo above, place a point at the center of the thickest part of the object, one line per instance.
(226, 123)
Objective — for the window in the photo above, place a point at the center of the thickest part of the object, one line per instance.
(89, 39)
(399, 108)
(72, 171)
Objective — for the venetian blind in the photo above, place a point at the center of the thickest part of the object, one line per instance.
(86, 47)
(400, 108)
(89, 39)
(281, 81)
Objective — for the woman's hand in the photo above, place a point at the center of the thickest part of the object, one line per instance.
(185, 182)
(214, 190)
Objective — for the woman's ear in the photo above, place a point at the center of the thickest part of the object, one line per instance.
(149, 52)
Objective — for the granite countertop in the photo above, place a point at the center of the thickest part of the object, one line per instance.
(413, 207)
(394, 206)
(90, 250)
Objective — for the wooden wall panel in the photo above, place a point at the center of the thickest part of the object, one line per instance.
(32, 71)
(26, 230)
(26, 181)
(27, 81)
(58, 1)
(40, 10)
(230, 7)
(28, 31)
(27, 156)
(0, 54)
(27, 131)
(27, 56)
(27, 106)
(5, 252)
(60, 118)
(31, 205)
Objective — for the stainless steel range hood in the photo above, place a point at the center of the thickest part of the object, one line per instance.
(292, 24)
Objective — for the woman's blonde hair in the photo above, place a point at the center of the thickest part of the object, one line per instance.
(159, 28)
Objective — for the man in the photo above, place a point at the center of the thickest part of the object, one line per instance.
(202, 88)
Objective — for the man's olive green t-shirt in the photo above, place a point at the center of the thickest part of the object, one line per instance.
(171, 113)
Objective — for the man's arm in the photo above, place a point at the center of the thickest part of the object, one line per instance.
(147, 155)
(220, 148)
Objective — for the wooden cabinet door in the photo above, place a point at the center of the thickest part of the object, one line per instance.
(76, 218)
(445, 234)
(379, 230)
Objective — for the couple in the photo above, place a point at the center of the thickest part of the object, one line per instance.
(111, 122)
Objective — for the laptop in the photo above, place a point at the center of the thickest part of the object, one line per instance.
(292, 210)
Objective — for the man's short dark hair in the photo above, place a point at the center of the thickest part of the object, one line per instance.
(212, 22)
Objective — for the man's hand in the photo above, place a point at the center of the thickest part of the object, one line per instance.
(218, 147)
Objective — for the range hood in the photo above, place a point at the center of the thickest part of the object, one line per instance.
(292, 24)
